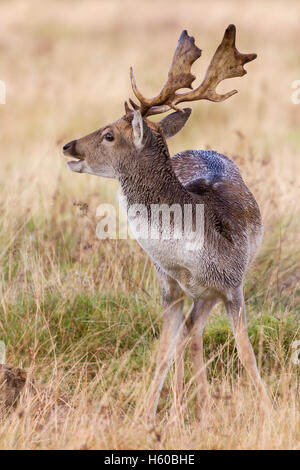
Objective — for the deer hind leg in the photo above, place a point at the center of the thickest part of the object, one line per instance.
(172, 342)
(196, 321)
(237, 316)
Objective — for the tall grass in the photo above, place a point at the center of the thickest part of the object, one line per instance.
(84, 315)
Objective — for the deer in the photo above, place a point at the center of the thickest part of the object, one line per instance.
(134, 151)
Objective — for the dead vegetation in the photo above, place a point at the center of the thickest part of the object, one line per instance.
(81, 315)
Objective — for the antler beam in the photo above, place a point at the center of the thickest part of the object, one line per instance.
(227, 62)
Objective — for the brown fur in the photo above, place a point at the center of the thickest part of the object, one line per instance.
(232, 233)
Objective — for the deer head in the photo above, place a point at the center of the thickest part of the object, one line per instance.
(109, 150)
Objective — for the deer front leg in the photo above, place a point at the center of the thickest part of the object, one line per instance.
(179, 365)
(171, 342)
(237, 316)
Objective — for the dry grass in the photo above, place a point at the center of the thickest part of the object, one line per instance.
(83, 315)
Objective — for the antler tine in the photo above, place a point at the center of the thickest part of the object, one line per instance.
(133, 104)
(127, 109)
(227, 62)
(179, 75)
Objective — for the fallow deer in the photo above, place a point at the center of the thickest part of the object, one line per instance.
(134, 151)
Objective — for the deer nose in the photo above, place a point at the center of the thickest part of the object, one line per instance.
(69, 148)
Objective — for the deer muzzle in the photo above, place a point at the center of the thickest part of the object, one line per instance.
(69, 150)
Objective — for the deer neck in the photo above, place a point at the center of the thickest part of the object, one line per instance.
(150, 179)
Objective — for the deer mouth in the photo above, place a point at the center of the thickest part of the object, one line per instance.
(69, 150)
(76, 165)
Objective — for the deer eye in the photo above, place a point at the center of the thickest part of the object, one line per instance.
(109, 137)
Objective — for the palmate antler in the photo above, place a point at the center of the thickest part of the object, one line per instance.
(227, 62)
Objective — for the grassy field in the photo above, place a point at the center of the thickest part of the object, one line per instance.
(83, 315)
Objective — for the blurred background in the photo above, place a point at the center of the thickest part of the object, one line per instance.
(66, 69)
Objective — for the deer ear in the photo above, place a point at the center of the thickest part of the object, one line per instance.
(138, 129)
(172, 123)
